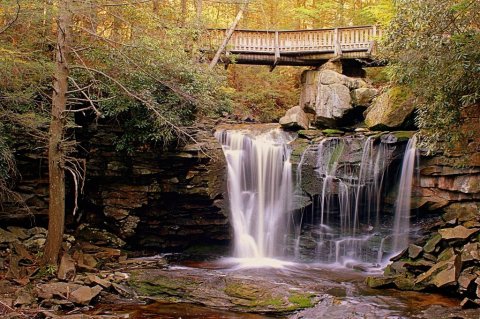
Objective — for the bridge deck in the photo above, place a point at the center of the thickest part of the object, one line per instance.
(301, 47)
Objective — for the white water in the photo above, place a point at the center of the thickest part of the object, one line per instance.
(260, 190)
(349, 201)
(401, 226)
(346, 225)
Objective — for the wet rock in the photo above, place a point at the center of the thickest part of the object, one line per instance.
(414, 251)
(309, 134)
(407, 283)
(379, 282)
(458, 232)
(83, 295)
(295, 118)
(231, 291)
(66, 270)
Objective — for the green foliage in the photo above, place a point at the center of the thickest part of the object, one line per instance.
(6, 158)
(434, 49)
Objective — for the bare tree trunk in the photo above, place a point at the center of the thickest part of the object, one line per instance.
(228, 35)
(184, 12)
(156, 6)
(199, 11)
(56, 160)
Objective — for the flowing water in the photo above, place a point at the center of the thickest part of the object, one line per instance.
(345, 224)
(401, 227)
(260, 189)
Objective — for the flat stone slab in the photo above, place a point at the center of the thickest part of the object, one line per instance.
(458, 232)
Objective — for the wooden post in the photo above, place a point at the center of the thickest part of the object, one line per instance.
(277, 47)
(336, 43)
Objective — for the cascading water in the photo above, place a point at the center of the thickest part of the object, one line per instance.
(401, 226)
(260, 189)
(351, 173)
(343, 224)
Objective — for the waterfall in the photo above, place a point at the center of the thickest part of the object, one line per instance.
(351, 170)
(341, 223)
(401, 226)
(260, 189)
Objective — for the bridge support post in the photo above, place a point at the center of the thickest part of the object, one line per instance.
(277, 51)
(336, 43)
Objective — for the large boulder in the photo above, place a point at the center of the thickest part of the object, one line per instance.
(390, 110)
(333, 97)
(295, 118)
(363, 96)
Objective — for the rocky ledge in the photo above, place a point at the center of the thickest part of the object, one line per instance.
(447, 260)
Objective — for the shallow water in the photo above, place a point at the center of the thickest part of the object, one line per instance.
(342, 294)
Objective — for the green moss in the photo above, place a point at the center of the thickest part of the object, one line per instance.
(309, 134)
(403, 135)
(398, 95)
(337, 152)
(300, 300)
(159, 286)
(331, 131)
(378, 75)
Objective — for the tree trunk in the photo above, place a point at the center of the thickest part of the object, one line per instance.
(156, 6)
(184, 12)
(228, 35)
(199, 11)
(56, 160)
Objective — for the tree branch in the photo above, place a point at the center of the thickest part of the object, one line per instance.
(9, 24)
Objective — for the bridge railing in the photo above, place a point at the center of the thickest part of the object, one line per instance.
(302, 41)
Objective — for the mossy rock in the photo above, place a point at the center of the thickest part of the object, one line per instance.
(403, 136)
(392, 109)
(332, 132)
(309, 134)
(379, 282)
(302, 300)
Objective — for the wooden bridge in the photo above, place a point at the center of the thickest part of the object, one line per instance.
(300, 47)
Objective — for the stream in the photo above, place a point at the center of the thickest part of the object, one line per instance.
(336, 293)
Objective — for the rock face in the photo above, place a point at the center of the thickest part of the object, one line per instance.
(295, 118)
(448, 260)
(333, 97)
(157, 198)
(450, 180)
(390, 110)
